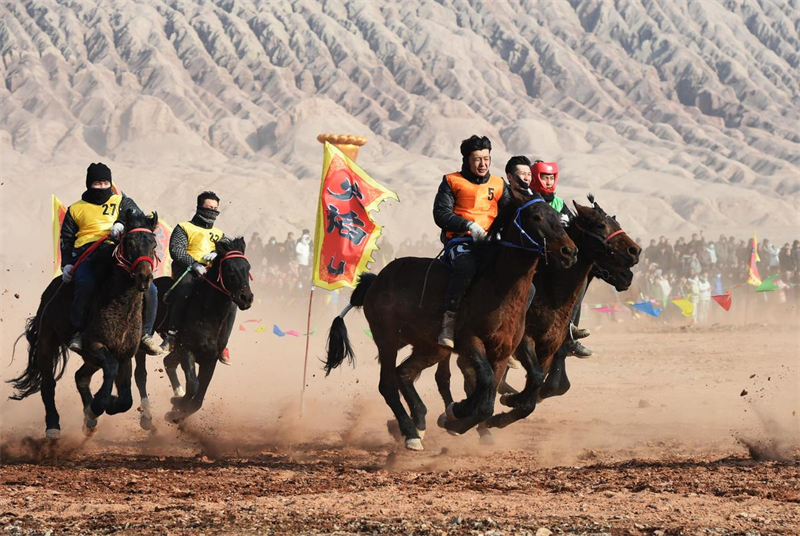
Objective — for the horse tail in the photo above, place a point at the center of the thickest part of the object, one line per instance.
(339, 346)
(30, 381)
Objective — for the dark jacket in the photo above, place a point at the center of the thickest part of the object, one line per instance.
(69, 230)
(445, 202)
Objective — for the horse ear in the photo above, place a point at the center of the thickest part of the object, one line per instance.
(580, 208)
(239, 244)
(153, 219)
(517, 197)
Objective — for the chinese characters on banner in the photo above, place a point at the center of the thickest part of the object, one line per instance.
(345, 236)
(163, 232)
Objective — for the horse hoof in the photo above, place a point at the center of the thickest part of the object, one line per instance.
(414, 444)
(176, 400)
(146, 423)
(441, 420)
(451, 416)
(89, 431)
(174, 417)
(179, 391)
(505, 400)
(487, 440)
(421, 433)
(53, 433)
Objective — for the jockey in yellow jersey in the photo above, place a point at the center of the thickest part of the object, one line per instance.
(100, 212)
(466, 205)
(192, 246)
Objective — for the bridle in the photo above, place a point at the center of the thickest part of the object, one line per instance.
(125, 264)
(220, 284)
(525, 238)
(596, 236)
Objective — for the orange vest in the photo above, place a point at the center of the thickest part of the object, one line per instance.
(476, 202)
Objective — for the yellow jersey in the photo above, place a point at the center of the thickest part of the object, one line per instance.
(94, 221)
(201, 241)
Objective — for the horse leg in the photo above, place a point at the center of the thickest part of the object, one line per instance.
(99, 402)
(523, 403)
(408, 372)
(171, 361)
(193, 401)
(188, 365)
(556, 383)
(479, 405)
(46, 350)
(124, 399)
(388, 387)
(443, 382)
(140, 374)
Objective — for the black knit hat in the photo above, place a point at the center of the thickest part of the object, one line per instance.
(98, 172)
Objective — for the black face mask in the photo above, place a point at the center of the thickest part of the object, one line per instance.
(97, 196)
(206, 215)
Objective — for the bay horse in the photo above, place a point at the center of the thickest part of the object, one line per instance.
(404, 305)
(112, 335)
(203, 334)
(603, 248)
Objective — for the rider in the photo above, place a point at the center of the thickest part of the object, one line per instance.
(544, 180)
(465, 207)
(192, 247)
(98, 213)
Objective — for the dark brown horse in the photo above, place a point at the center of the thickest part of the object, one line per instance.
(204, 334)
(404, 305)
(603, 248)
(110, 339)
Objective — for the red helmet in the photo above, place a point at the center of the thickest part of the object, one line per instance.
(540, 168)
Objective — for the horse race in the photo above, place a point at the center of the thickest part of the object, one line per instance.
(444, 267)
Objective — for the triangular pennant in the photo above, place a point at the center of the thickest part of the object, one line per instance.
(261, 329)
(277, 331)
(646, 307)
(686, 307)
(724, 300)
(768, 284)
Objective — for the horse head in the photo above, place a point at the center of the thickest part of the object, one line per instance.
(535, 226)
(601, 237)
(136, 251)
(232, 271)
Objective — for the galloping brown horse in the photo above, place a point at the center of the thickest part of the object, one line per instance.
(405, 302)
(603, 247)
(110, 340)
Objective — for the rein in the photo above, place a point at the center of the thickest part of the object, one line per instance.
(122, 262)
(535, 247)
(220, 284)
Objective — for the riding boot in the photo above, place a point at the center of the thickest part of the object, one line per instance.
(579, 333)
(578, 350)
(149, 345)
(76, 342)
(448, 327)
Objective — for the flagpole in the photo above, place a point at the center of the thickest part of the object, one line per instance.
(305, 359)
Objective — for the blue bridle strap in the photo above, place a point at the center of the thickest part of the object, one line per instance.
(535, 247)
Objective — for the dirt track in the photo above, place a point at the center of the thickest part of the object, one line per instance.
(654, 438)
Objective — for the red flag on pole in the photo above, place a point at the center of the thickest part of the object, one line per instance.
(724, 300)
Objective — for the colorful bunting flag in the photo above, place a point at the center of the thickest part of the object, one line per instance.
(724, 300)
(646, 307)
(277, 331)
(261, 329)
(368, 332)
(768, 284)
(686, 306)
(293, 333)
(345, 235)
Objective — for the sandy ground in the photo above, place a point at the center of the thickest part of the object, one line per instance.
(667, 430)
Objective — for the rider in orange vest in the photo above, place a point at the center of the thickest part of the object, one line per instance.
(466, 205)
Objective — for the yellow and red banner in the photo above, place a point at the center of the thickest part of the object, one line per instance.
(346, 235)
(163, 233)
(752, 270)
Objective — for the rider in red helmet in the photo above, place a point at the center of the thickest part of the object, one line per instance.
(544, 178)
